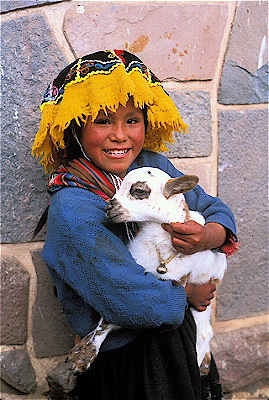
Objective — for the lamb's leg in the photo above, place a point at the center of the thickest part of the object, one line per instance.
(204, 336)
(205, 366)
(86, 350)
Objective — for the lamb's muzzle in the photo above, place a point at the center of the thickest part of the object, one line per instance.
(116, 212)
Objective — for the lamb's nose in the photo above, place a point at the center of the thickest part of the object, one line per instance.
(112, 204)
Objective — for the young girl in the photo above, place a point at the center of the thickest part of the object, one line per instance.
(105, 114)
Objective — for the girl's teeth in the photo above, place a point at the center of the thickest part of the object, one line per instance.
(116, 152)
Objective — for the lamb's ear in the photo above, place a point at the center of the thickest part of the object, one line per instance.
(181, 184)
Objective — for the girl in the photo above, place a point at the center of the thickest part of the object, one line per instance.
(105, 114)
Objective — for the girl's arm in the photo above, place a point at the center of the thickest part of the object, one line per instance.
(87, 257)
(190, 237)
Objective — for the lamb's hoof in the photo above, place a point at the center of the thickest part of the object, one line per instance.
(205, 365)
(78, 366)
(82, 356)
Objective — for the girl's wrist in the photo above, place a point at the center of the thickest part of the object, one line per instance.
(215, 235)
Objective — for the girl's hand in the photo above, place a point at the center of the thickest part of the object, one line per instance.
(190, 237)
(200, 296)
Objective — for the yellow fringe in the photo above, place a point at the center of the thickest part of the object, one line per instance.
(106, 91)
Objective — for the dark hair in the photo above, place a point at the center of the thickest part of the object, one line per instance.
(72, 149)
(145, 115)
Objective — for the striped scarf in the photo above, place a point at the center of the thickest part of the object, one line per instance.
(83, 174)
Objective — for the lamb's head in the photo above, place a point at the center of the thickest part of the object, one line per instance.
(149, 194)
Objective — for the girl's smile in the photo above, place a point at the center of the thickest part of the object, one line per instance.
(114, 139)
(116, 153)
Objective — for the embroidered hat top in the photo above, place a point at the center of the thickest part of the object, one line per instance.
(102, 81)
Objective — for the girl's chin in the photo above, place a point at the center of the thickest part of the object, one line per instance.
(118, 171)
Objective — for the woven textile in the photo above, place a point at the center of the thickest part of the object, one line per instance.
(102, 81)
(83, 174)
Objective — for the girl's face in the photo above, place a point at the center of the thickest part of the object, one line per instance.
(113, 140)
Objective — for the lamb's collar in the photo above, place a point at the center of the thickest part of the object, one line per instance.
(162, 267)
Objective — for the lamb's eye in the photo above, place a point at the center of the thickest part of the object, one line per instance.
(140, 190)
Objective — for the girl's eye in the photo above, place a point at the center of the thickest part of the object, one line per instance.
(132, 121)
(102, 121)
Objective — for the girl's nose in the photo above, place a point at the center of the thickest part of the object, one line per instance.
(119, 133)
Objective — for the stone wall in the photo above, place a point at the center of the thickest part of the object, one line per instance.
(212, 57)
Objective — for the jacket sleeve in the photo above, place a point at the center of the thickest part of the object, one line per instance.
(95, 263)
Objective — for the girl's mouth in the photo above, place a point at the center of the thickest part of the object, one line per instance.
(116, 153)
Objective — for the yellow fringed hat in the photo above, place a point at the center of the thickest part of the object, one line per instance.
(103, 80)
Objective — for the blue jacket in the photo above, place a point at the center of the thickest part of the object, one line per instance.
(95, 274)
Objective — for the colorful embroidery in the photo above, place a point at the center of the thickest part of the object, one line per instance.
(103, 80)
(96, 180)
(230, 247)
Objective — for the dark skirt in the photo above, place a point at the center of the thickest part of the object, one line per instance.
(154, 366)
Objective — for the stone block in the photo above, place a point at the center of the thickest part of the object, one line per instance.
(14, 296)
(11, 5)
(242, 185)
(202, 170)
(17, 370)
(248, 46)
(30, 58)
(244, 77)
(61, 382)
(239, 86)
(194, 108)
(242, 356)
(6, 389)
(179, 41)
(51, 333)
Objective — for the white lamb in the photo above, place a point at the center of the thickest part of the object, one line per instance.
(151, 197)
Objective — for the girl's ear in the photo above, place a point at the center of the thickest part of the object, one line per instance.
(182, 184)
